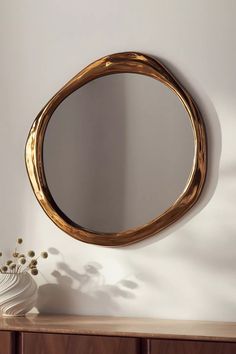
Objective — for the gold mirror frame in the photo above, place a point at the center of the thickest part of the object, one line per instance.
(129, 62)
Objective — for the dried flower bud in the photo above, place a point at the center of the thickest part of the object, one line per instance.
(22, 260)
(9, 262)
(34, 271)
(15, 254)
(19, 241)
(44, 254)
(32, 266)
(0, 254)
(31, 253)
(34, 262)
(12, 266)
(21, 255)
(4, 268)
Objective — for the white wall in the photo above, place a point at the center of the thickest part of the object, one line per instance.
(189, 271)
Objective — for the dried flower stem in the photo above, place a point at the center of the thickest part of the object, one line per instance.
(21, 263)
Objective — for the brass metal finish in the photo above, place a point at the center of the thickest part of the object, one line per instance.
(129, 62)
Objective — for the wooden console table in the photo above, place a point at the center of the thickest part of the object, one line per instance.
(56, 334)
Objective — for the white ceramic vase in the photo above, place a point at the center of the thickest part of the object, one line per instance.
(18, 294)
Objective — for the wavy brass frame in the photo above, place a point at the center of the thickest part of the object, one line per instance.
(129, 62)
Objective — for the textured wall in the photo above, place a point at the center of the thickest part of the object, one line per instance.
(189, 271)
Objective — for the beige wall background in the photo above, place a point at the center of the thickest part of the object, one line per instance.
(187, 272)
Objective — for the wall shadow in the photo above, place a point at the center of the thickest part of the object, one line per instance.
(84, 290)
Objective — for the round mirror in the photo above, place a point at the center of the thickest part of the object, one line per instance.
(114, 159)
(118, 152)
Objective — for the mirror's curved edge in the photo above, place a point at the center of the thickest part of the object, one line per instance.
(117, 63)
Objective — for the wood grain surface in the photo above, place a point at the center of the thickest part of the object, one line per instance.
(39, 343)
(7, 343)
(122, 327)
(190, 347)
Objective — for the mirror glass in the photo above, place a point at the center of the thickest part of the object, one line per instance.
(118, 152)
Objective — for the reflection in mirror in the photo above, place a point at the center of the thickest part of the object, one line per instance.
(118, 152)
